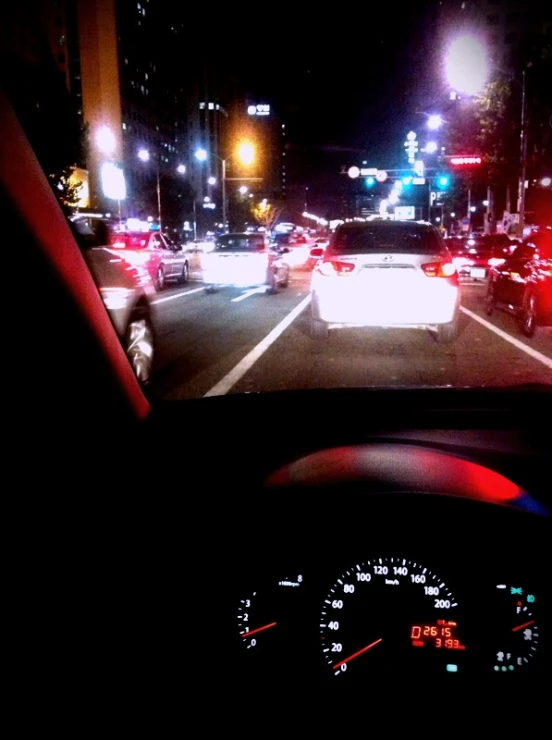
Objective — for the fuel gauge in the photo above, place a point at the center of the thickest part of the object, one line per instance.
(517, 636)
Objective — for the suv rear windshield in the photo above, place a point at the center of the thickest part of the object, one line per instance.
(387, 237)
(239, 243)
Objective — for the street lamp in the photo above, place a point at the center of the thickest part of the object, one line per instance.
(105, 140)
(434, 122)
(246, 154)
(466, 64)
(144, 156)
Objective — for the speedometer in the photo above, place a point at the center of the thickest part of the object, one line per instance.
(391, 616)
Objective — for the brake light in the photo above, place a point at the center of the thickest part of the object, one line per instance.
(118, 244)
(439, 269)
(333, 268)
(461, 261)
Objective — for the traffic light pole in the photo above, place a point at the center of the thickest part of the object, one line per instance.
(523, 156)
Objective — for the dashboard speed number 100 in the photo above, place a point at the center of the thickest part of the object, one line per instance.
(390, 616)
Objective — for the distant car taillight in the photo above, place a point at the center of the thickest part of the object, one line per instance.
(440, 269)
(335, 268)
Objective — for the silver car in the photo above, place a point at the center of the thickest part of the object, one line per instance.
(386, 274)
(127, 292)
(245, 260)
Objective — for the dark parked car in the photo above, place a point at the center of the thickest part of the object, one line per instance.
(522, 283)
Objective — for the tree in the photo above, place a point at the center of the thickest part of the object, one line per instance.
(67, 188)
(497, 116)
(266, 214)
(488, 125)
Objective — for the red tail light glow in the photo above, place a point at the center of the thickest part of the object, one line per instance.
(333, 268)
(494, 261)
(439, 269)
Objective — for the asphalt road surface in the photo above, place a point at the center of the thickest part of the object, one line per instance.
(238, 340)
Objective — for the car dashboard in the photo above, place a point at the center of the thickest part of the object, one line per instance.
(402, 557)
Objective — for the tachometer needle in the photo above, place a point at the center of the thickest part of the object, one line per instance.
(521, 626)
(259, 629)
(358, 652)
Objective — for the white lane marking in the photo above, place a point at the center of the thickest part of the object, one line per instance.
(547, 361)
(247, 293)
(177, 295)
(229, 380)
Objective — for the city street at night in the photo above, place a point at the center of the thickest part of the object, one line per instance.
(246, 341)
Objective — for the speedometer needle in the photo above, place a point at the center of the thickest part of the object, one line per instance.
(521, 626)
(358, 652)
(259, 629)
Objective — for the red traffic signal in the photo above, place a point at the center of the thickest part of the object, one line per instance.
(464, 160)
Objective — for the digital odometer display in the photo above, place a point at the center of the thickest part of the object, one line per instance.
(442, 634)
(379, 613)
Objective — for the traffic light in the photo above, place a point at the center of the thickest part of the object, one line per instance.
(443, 181)
(370, 182)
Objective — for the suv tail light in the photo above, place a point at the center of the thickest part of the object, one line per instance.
(440, 269)
(335, 268)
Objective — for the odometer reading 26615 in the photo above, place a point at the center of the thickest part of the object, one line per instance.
(391, 616)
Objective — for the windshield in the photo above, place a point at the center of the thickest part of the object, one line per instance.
(387, 237)
(239, 243)
(372, 208)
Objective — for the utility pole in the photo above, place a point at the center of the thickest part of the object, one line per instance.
(159, 195)
(523, 155)
(224, 204)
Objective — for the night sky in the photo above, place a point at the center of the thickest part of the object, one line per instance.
(345, 80)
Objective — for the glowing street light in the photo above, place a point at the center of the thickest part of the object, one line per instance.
(181, 169)
(105, 140)
(466, 65)
(144, 155)
(431, 147)
(434, 122)
(246, 153)
(243, 189)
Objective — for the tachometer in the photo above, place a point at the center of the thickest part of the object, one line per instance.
(391, 615)
(267, 616)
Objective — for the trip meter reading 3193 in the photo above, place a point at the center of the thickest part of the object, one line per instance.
(391, 616)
